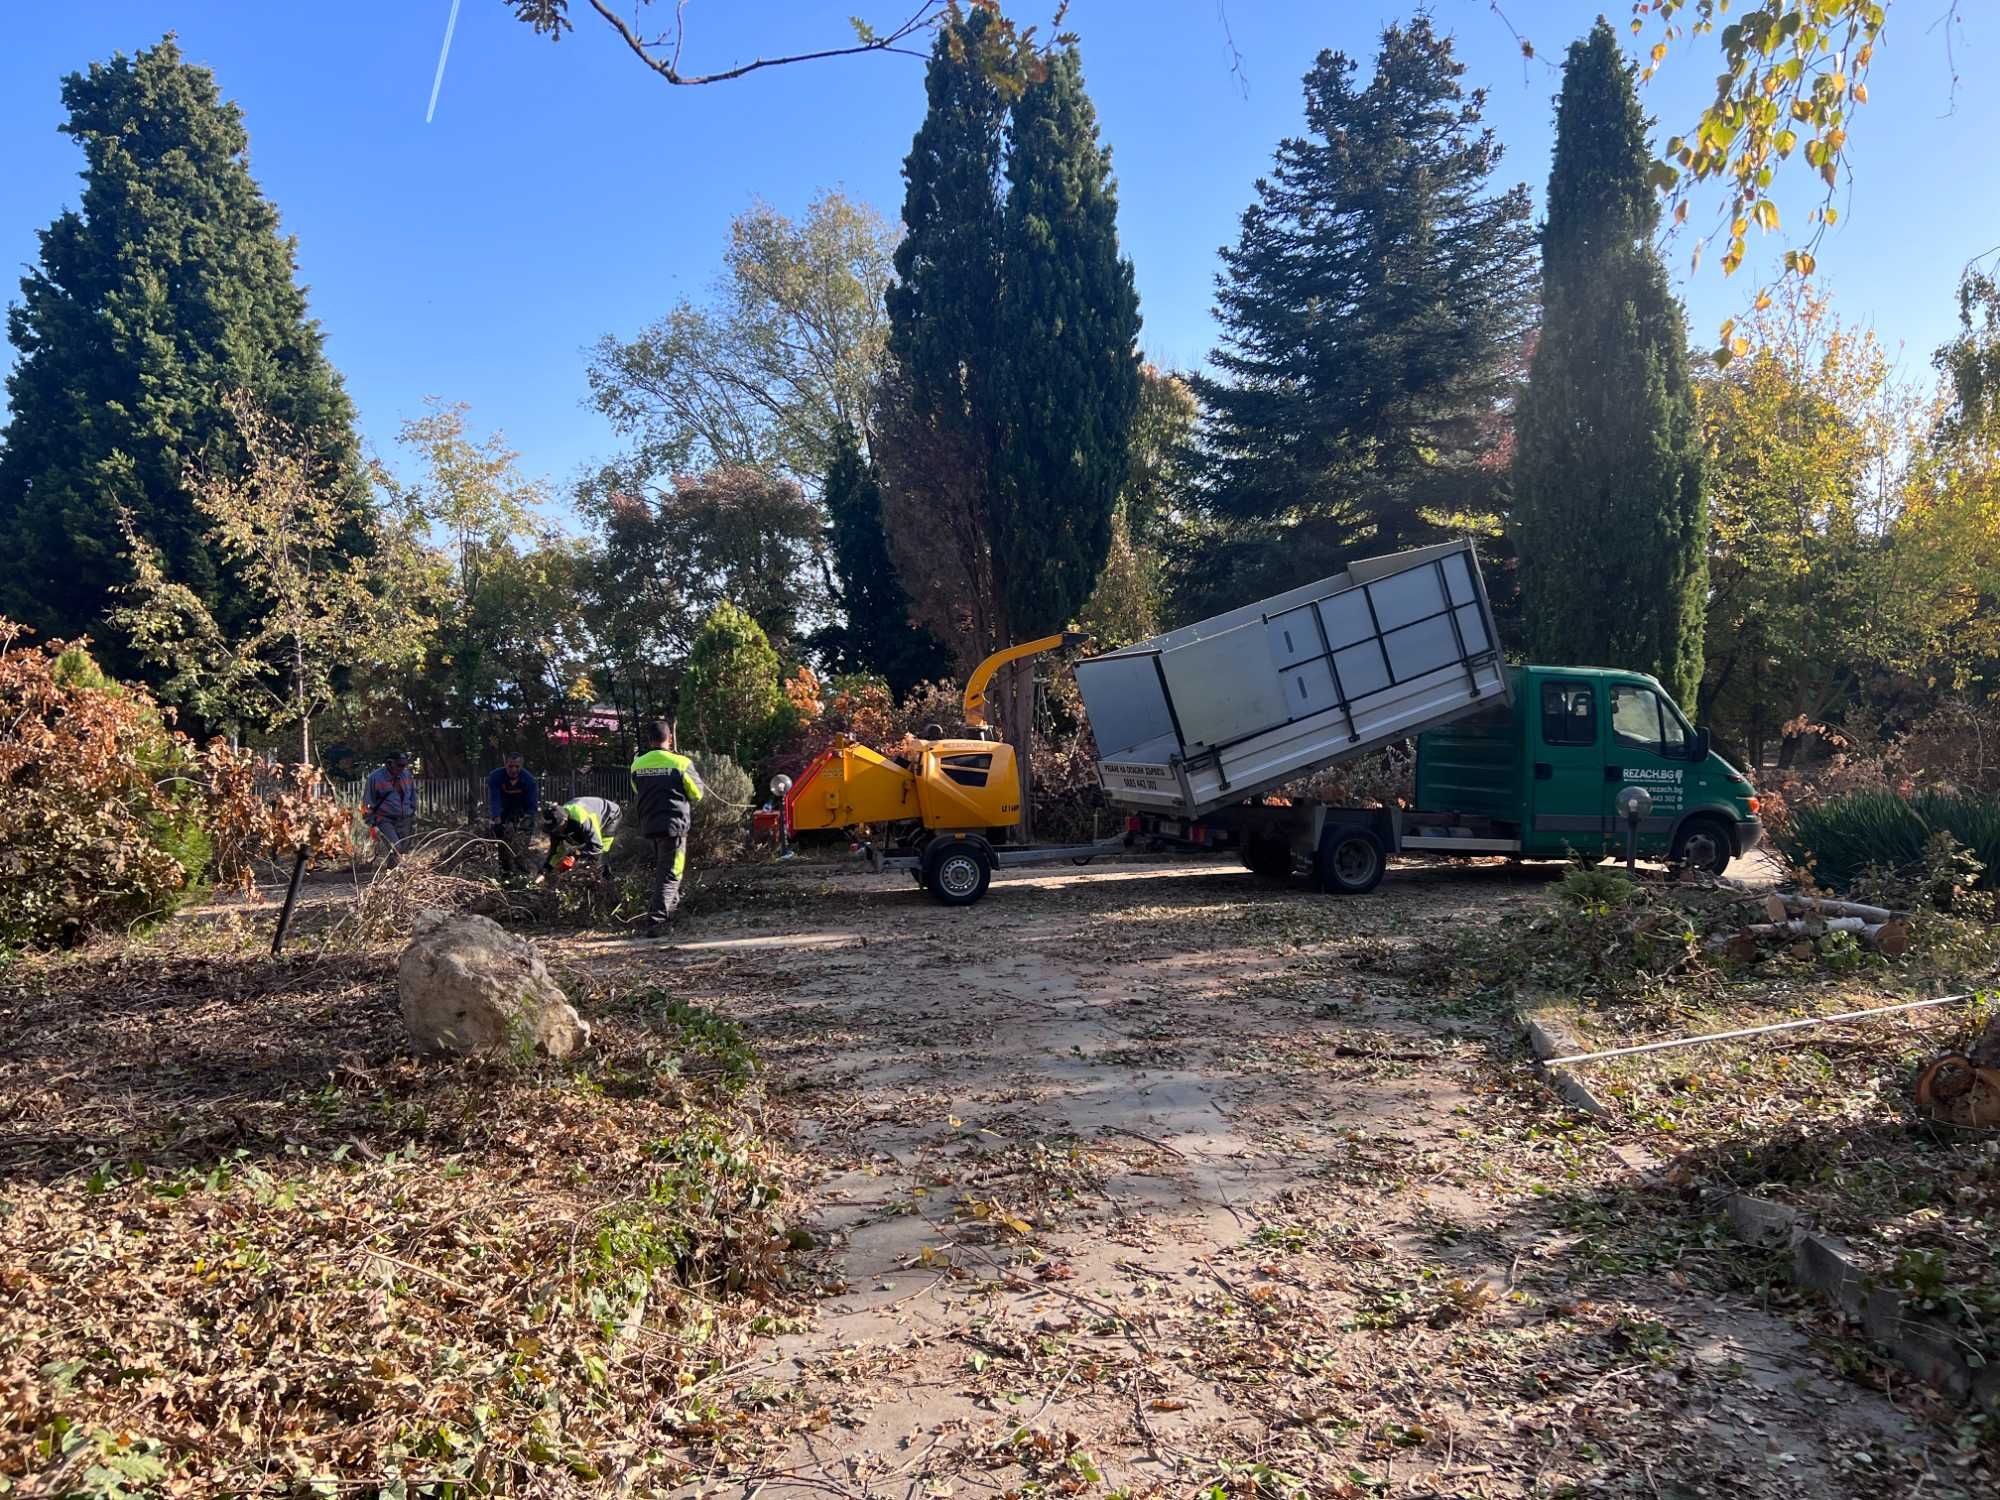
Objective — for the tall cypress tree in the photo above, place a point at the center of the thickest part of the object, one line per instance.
(1373, 311)
(170, 288)
(945, 305)
(1068, 367)
(1611, 521)
(879, 635)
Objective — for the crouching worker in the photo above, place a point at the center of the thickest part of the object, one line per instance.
(587, 824)
(667, 792)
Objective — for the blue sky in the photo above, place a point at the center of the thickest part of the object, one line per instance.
(562, 192)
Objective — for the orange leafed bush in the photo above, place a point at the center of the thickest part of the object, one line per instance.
(107, 816)
(257, 809)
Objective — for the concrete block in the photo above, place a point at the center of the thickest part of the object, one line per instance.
(1759, 1221)
(1546, 1041)
(1821, 1262)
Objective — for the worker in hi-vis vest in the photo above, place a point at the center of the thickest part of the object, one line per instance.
(589, 823)
(667, 792)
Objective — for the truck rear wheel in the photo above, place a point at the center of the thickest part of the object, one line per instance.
(1351, 861)
(1703, 844)
(956, 874)
(1267, 856)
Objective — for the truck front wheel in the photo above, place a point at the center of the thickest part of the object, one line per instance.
(957, 876)
(1703, 844)
(1351, 861)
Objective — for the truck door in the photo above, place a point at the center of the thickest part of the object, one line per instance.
(1650, 746)
(1566, 769)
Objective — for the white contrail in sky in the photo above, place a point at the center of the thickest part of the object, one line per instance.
(443, 52)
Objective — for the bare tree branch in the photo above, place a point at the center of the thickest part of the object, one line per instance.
(669, 66)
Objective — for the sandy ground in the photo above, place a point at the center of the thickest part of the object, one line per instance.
(1159, 1177)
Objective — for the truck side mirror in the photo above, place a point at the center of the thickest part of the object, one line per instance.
(1702, 741)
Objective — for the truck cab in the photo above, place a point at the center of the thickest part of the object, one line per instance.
(1543, 773)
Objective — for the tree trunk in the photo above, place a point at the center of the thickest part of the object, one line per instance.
(1020, 727)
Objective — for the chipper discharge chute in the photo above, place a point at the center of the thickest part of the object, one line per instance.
(946, 803)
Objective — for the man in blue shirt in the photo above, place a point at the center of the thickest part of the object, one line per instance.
(512, 800)
(389, 804)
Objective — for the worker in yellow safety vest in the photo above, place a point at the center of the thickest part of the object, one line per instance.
(667, 792)
(587, 823)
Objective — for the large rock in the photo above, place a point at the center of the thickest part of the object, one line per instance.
(471, 987)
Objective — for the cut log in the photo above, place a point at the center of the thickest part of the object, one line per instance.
(1840, 908)
(1808, 926)
(1957, 1090)
(1891, 939)
(1775, 909)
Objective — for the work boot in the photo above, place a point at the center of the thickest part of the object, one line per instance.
(654, 929)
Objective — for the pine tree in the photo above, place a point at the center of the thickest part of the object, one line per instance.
(170, 288)
(1068, 366)
(1610, 518)
(879, 635)
(1373, 311)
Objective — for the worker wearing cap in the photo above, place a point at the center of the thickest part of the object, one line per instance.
(389, 804)
(590, 824)
(668, 790)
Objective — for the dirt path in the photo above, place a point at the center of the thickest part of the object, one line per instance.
(1156, 1178)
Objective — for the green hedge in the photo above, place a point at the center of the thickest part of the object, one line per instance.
(1845, 836)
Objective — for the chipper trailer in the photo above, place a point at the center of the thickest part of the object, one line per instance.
(950, 802)
(1198, 728)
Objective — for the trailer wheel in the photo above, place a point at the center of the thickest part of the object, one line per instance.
(1351, 861)
(956, 875)
(1703, 844)
(1268, 857)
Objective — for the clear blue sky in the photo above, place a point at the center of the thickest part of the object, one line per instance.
(563, 192)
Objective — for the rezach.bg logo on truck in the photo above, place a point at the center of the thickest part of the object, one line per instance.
(1652, 774)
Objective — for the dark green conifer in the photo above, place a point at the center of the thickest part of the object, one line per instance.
(1373, 312)
(1068, 369)
(168, 288)
(1610, 518)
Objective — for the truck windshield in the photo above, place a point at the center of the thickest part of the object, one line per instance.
(1642, 720)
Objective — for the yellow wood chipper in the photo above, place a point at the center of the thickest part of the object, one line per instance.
(946, 805)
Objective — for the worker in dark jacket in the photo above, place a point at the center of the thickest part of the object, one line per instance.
(589, 824)
(512, 800)
(667, 792)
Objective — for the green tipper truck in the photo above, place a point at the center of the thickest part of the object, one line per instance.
(1540, 775)
(1197, 727)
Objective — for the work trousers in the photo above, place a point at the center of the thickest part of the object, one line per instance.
(394, 833)
(516, 837)
(669, 864)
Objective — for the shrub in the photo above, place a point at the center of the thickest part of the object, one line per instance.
(730, 698)
(727, 793)
(92, 824)
(1843, 839)
(107, 817)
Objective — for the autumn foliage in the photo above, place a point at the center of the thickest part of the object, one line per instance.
(108, 817)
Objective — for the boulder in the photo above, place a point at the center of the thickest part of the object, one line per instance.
(471, 987)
